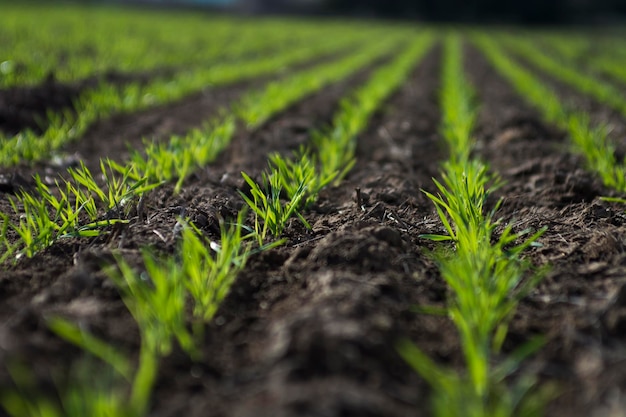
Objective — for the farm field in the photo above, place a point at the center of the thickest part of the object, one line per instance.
(291, 217)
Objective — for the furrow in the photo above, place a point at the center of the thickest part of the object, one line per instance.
(102, 103)
(545, 186)
(587, 139)
(87, 43)
(586, 93)
(27, 108)
(310, 305)
(203, 200)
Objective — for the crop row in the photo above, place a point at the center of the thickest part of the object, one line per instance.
(203, 270)
(589, 141)
(587, 84)
(332, 154)
(108, 99)
(480, 258)
(50, 218)
(484, 270)
(608, 54)
(78, 42)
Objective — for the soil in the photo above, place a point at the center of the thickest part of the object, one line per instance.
(577, 306)
(599, 113)
(27, 108)
(310, 328)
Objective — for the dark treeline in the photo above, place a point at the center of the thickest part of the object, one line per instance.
(468, 11)
(461, 11)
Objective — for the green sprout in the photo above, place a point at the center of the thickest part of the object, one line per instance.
(122, 185)
(210, 268)
(73, 210)
(485, 273)
(270, 211)
(300, 172)
(588, 141)
(156, 299)
(82, 395)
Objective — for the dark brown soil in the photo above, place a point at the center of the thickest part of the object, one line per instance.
(576, 307)
(118, 136)
(23, 108)
(310, 329)
(28, 107)
(599, 113)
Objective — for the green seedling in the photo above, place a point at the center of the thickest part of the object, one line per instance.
(599, 152)
(82, 395)
(178, 158)
(590, 142)
(123, 184)
(615, 200)
(270, 211)
(9, 248)
(336, 145)
(203, 270)
(141, 380)
(454, 394)
(485, 273)
(44, 217)
(461, 198)
(73, 209)
(293, 173)
(210, 268)
(36, 228)
(156, 299)
(91, 344)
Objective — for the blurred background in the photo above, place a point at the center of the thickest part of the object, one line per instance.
(463, 11)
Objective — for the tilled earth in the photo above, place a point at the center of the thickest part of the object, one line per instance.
(310, 329)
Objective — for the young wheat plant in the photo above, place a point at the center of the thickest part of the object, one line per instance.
(484, 272)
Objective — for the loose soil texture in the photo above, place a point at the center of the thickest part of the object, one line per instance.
(310, 328)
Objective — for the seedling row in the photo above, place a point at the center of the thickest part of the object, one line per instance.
(336, 214)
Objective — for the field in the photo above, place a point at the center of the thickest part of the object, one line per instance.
(205, 215)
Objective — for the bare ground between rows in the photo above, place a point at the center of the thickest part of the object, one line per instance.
(118, 136)
(577, 306)
(309, 329)
(66, 279)
(27, 107)
(23, 108)
(600, 114)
